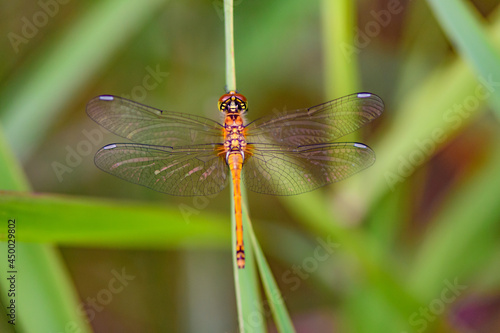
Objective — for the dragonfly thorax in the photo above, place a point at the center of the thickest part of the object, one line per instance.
(234, 135)
(233, 122)
(235, 139)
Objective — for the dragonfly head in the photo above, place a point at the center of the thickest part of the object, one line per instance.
(232, 102)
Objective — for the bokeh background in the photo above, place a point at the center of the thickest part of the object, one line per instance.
(410, 245)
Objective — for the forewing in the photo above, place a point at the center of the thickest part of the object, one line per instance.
(143, 124)
(319, 124)
(279, 171)
(183, 172)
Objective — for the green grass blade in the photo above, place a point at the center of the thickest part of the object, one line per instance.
(273, 294)
(229, 45)
(339, 20)
(248, 300)
(339, 52)
(11, 175)
(32, 103)
(461, 23)
(81, 221)
(381, 275)
(45, 297)
(463, 232)
(53, 307)
(426, 121)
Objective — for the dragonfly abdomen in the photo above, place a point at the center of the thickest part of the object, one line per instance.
(235, 162)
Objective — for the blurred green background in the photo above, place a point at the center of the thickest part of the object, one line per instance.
(413, 241)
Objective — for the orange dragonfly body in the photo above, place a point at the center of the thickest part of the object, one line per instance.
(187, 155)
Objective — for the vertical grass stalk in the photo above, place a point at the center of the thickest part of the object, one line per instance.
(249, 303)
(229, 34)
(248, 300)
(53, 307)
(340, 54)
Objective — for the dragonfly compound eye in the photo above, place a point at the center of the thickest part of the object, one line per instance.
(233, 102)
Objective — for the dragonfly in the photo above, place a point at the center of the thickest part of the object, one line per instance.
(188, 155)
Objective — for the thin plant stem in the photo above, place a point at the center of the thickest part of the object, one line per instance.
(231, 85)
(229, 33)
(340, 53)
(248, 301)
(275, 300)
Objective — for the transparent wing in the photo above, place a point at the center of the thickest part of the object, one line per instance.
(280, 170)
(143, 124)
(183, 172)
(319, 124)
